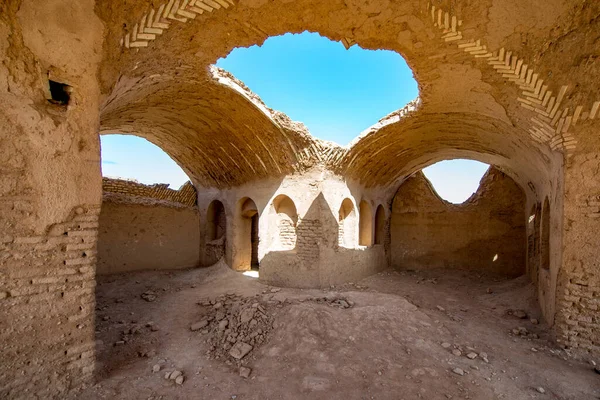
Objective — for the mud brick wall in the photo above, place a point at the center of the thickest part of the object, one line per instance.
(147, 234)
(578, 294)
(307, 244)
(50, 276)
(160, 191)
(427, 232)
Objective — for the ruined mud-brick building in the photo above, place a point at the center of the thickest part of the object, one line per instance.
(511, 83)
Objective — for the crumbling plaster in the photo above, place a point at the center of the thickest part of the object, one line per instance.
(166, 92)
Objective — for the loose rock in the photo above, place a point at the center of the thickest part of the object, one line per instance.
(245, 372)
(458, 371)
(240, 350)
(199, 325)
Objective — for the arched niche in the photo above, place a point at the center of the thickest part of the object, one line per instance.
(216, 221)
(365, 224)
(379, 225)
(347, 224)
(545, 239)
(283, 219)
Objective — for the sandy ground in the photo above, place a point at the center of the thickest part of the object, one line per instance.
(391, 344)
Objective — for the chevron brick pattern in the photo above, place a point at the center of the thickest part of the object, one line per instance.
(551, 117)
(156, 22)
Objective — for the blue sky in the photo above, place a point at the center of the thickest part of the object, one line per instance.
(336, 93)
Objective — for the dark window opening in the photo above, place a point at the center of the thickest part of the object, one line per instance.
(60, 93)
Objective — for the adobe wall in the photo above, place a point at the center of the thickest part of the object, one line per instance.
(317, 259)
(50, 194)
(428, 232)
(578, 298)
(141, 234)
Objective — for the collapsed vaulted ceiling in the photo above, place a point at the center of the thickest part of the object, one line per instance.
(477, 100)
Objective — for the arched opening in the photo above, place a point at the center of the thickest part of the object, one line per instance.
(216, 223)
(149, 219)
(247, 238)
(455, 181)
(379, 225)
(545, 244)
(284, 219)
(365, 224)
(347, 224)
(486, 234)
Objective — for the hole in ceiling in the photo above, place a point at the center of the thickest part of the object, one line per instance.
(336, 93)
(456, 180)
(134, 158)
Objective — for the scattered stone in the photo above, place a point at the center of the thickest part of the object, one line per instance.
(199, 325)
(179, 380)
(490, 291)
(519, 314)
(446, 345)
(223, 324)
(534, 321)
(472, 356)
(457, 352)
(245, 372)
(247, 315)
(240, 350)
(218, 306)
(148, 296)
(156, 368)
(119, 343)
(440, 308)
(458, 371)
(540, 390)
(175, 374)
(484, 357)
(275, 290)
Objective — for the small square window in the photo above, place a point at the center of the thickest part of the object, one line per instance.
(60, 93)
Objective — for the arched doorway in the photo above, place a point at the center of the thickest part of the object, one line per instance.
(247, 236)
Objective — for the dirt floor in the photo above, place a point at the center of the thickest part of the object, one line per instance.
(395, 335)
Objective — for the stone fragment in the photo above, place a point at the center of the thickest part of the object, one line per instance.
(223, 324)
(247, 315)
(534, 321)
(148, 296)
(199, 325)
(240, 350)
(440, 308)
(457, 352)
(179, 380)
(156, 368)
(519, 314)
(175, 374)
(245, 372)
(446, 345)
(472, 356)
(458, 371)
(275, 290)
(540, 390)
(218, 306)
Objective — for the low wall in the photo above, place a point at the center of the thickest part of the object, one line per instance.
(139, 233)
(486, 233)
